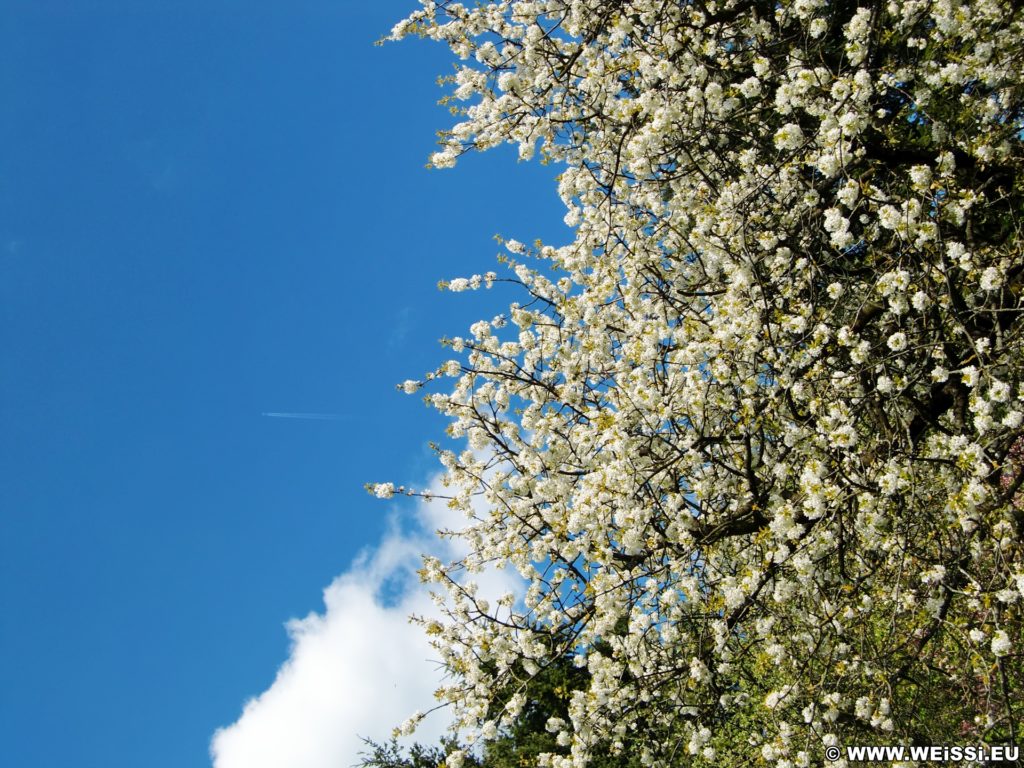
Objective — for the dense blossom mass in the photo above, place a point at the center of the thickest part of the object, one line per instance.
(753, 438)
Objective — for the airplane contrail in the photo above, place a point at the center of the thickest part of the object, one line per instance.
(310, 416)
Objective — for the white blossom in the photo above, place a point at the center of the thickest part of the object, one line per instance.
(789, 136)
(1001, 644)
(897, 342)
(384, 490)
(921, 177)
(991, 279)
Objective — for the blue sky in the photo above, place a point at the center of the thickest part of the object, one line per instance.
(210, 210)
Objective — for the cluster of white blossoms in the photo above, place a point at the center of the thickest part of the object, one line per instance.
(753, 438)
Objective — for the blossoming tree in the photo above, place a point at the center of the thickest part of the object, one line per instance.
(753, 437)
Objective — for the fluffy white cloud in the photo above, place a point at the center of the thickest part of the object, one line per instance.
(358, 669)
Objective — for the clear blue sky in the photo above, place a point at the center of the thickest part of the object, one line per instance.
(210, 209)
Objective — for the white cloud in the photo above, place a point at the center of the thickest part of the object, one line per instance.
(358, 669)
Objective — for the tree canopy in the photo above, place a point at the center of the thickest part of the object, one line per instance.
(753, 437)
